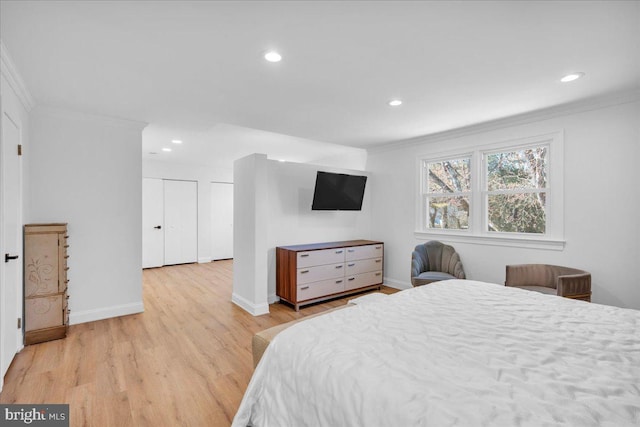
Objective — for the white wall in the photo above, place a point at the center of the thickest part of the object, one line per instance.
(601, 200)
(204, 176)
(272, 207)
(250, 234)
(86, 170)
(291, 221)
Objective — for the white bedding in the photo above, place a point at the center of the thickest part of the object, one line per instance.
(459, 352)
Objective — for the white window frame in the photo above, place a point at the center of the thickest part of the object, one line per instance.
(477, 233)
(424, 192)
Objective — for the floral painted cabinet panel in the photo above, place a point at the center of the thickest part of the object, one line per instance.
(45, 282)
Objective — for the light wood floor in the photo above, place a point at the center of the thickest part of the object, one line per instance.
(185, 361)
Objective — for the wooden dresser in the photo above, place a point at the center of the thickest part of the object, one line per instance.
(46, 314)
(311, 273)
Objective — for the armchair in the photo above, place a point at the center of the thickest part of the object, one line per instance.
(550, 279)
(434, 261)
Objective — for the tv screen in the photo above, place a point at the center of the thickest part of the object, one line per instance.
(338, 192)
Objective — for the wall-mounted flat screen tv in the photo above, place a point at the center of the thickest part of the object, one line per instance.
(338, 192)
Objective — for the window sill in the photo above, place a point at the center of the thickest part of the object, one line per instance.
(519, 241)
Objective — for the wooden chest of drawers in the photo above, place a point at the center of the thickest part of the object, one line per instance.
(310, 273)
(46, 314)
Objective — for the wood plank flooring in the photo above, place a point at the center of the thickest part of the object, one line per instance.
(185, 361)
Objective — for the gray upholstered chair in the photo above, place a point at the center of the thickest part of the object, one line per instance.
(434, 261)
(550, 279)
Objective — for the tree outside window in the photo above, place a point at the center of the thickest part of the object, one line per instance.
(516, 190)
(448, 193)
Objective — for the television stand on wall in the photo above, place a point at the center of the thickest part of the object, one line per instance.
(306, 274)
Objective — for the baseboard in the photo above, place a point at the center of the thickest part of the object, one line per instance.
(273, 298)
(105, 313)
(204, 260)
(248, 306)
(397, 284)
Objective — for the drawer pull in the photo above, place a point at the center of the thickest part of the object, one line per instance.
(338, 266)
(66, 256)
(338, 281)
(378, 274)
(351, 265)
(66, 269)
(304, 287)
(66, 246)
(351, 250)
(304, 255)
(339, 252)
(351, 278)
(304, 271)
(378, 260)
(378, 247)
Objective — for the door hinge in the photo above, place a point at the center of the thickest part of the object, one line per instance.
(19, 323)
(19, 149)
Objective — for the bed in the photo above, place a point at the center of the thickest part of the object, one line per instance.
(458, 352)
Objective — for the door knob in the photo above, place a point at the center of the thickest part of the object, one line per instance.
(158, 227)
(8, 257)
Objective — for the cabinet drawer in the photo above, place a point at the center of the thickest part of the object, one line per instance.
(363, 266)
(41, 264)
(365, 279)
(364, 252)
(43, 312)
(320, 289)
(320, 272)
(325, 256)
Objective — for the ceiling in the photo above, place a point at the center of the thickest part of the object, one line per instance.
(198, 67)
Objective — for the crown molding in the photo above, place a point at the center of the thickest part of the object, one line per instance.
(10, 72)
(61, 113)
(589, 104)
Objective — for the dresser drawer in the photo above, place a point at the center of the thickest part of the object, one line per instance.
(41, 264)
(363, 266)
(320, 272)
(320, 289)
(364, 252)
(43, 312)
(361, 280)
(322, 257)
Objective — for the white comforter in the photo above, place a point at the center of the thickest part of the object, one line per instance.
(459, 352)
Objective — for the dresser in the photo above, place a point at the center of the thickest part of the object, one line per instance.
(310, 273)
(46, 314)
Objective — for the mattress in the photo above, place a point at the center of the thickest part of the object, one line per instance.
(453, 353)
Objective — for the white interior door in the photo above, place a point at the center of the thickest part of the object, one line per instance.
(221, 220)
(11, 228)
(152, 223)
(181, 222)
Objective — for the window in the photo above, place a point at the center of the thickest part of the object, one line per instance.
(516, 190)
(502, 192)
(448, 191)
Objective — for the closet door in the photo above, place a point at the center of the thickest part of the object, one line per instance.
(181, 222)
(221, 220)
(10, 241)
(152, 223)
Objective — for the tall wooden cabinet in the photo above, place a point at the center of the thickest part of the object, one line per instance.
(311, 273)
(46, 314)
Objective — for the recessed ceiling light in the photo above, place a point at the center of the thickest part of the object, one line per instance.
(166, 149)
(281, 160)
(395, 102)
(176, 141)
(273, 56)
(571, 77)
